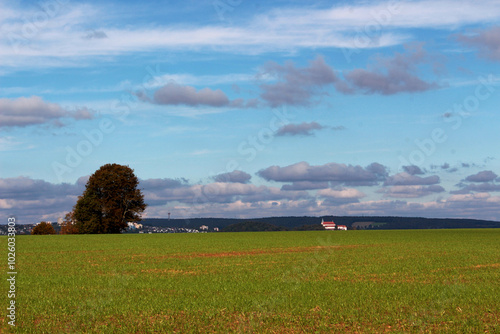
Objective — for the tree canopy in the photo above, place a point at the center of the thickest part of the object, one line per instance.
(43, 228)
(110, 200)
(310, 227)
(68, 225)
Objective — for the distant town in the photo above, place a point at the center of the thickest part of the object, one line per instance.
(149, 228)
(132, 228)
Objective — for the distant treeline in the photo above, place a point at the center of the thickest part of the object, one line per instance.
(360, 222)
(251, 226)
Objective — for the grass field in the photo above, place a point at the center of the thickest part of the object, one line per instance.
(265, 282)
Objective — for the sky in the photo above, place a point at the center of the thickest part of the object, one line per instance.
(245, 109)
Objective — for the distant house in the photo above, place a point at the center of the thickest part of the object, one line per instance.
(134, 226)
(342, 227)
(328, 225)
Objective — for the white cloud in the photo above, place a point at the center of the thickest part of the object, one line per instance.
(343, 193)
(12, 144)
(201, 80)
(411, 191)
(334, 172)
(395, 14)
(61, 36)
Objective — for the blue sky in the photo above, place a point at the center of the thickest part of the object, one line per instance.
(236, 108)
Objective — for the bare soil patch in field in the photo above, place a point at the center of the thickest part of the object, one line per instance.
(260, 251)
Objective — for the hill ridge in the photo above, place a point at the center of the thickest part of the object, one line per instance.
(372, 222)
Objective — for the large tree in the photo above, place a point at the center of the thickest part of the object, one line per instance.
(110, 200)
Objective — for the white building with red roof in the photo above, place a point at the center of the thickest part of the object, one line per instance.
(328, 225)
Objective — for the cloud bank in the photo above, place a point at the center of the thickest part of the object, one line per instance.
(302, 189)
(26, 111)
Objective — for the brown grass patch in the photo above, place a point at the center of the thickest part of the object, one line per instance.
(170, 271)
(477, 266)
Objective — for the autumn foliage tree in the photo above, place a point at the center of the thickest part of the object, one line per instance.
(110, 200)
(68, 225)
(43, 228)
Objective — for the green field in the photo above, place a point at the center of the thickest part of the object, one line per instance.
(263, 282)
